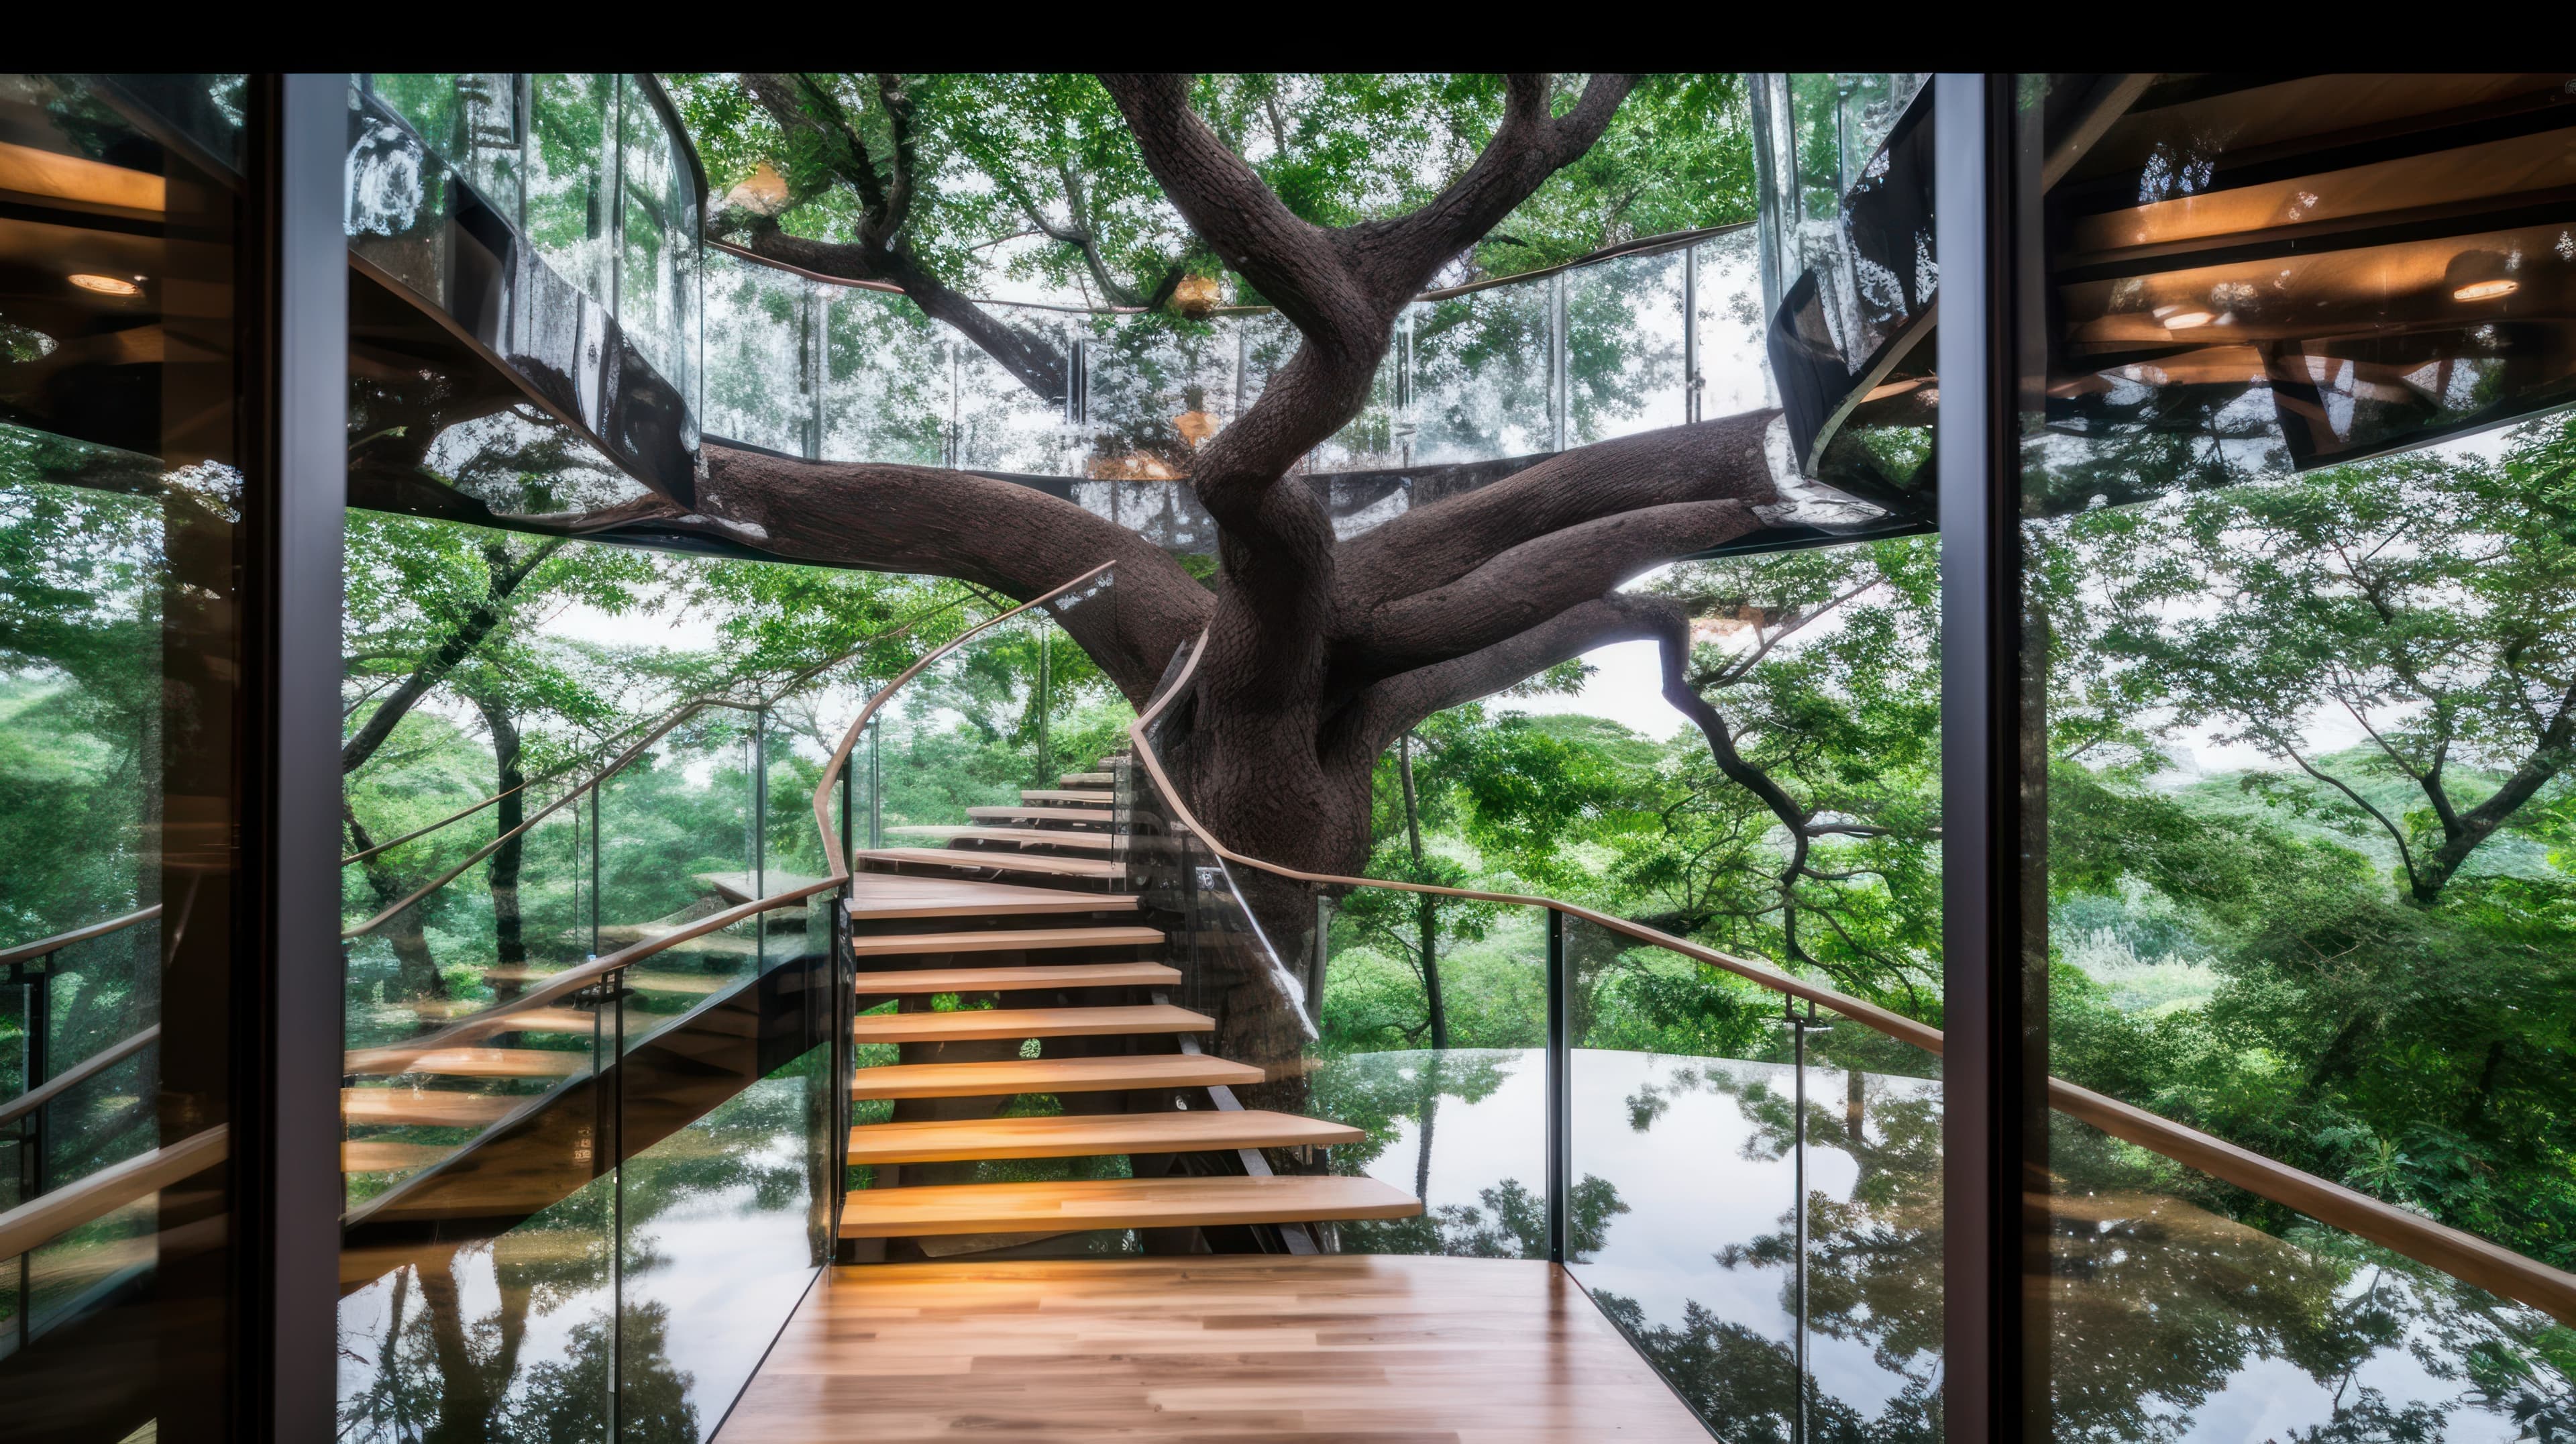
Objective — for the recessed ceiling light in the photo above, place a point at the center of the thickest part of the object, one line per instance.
(2486, 290)
(106, 285)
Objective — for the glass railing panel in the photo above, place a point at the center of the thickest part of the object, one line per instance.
(1481, 375)
(430, 985)
(1623, 347)
(678, 836)
(1734, 376)
(571, 177)
(1462, 1127)
(519, 1330)
(657, 283)
(77, 1006)
(1755, 1196)
(722, 1226)
(469, 120)
(758, 387)
(885, 380)
(999, 423)
(2172, 1317)
(1157, 387)
(962, 734)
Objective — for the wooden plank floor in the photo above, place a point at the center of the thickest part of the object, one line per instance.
(1282, 1349)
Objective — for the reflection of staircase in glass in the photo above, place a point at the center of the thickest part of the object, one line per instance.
(1026, 1027)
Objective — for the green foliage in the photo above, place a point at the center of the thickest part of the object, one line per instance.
(1035, 178)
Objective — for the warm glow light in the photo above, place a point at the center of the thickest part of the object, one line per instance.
(2183, 320)
(1195, 296)
(106, 285)
(2486, 290)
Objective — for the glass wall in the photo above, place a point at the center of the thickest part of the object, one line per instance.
(2298, 688)
(591, 171)
(128, 954)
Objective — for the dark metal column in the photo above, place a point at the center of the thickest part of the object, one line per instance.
(1560, 1095)
(1983, 1087)
(287, 1146)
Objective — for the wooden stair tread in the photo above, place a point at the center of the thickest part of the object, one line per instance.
(1004, 980)
(1096, 1203)
(1088, 779)
(578, 1021)
(894, 895)
(992, 1023)
(469, 1062)
(1084, 1135)
(372, 1155)
(1041, 836)
(424, 1106)
(1050, 1075)
(1050, 814)
(995, 861)
(1061, 794)
(1004, 940)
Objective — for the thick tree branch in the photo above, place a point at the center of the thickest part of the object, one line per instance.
(803, 108)
(1533, 581)
(1014, 539)
(1293, 262)
(1386, 710)
(1527, 148)
(1434, 546)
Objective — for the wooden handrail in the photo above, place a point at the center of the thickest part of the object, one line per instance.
(832, 854)
(60, 941)
(362, 854)
(111, 1188)
(2462, 1255)
(80, 1072)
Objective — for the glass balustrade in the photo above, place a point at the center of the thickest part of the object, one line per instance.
(635, 1173)
(838, 372)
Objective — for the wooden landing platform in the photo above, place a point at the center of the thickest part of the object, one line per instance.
(1273, 1348)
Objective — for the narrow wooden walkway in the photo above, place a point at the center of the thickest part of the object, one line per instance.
(1251, 1347)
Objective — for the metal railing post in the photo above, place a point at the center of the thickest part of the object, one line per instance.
(1560, 390)
(1692, 382)
(36, 999)
(1560, 1092)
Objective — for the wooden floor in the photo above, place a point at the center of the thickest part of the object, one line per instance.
(1287, 1350)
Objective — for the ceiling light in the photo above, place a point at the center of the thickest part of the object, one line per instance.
(106, 285)
(2182, 318)
(2486, 290)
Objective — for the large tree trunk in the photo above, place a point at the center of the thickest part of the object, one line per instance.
(1318, 653)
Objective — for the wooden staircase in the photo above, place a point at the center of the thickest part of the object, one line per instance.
(1029, 1026)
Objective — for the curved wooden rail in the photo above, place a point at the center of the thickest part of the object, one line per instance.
(111, 1188)
(2462, 1255)
(80, 1072)
(59, 941)
(832, 853)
